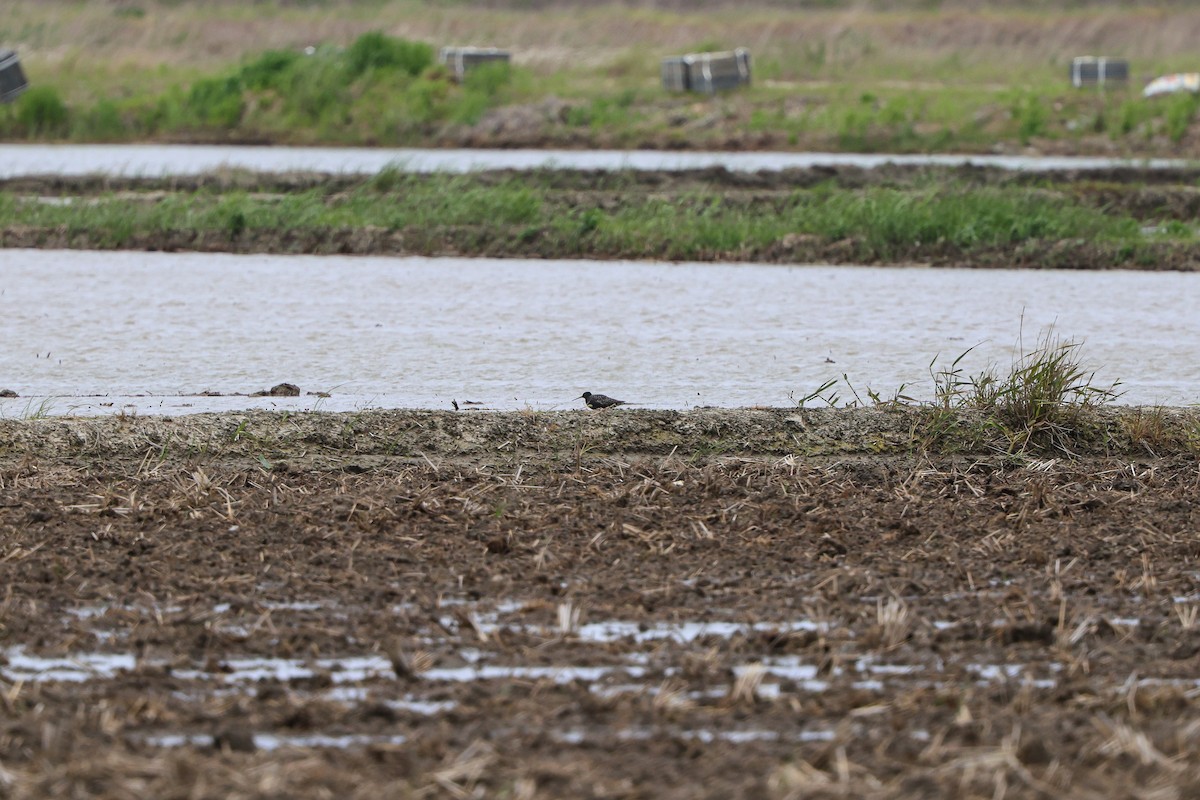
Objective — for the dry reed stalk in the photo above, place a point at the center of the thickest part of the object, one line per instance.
(746, 684)
(460, 776)
(894, 620)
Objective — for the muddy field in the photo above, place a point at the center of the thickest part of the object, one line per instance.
(647, 604)
(1154, 198)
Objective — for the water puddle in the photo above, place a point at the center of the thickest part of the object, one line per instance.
(275, 741)
(240, 672)
(682, 633)
(351, 695)
(870, 666)
(707, 736)
(76, 668)
(640, 668)
(272, 741)
(994, 673)
(788, 667)
(345, 673)
(612, 631)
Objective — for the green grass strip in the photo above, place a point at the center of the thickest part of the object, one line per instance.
(883, 222)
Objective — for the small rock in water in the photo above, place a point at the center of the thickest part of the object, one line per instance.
(280, 390)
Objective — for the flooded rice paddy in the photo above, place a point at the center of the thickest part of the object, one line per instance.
(21, 160)
(172, 333)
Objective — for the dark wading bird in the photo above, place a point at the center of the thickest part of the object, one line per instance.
(600, 400)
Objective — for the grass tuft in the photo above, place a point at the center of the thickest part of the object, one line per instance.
(1038, 401)
(1041, 402)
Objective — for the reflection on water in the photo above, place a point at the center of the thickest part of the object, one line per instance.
(148, 332)
(131, 160)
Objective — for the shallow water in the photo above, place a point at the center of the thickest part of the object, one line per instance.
(150, 160)
(104, 332)
(649, 666)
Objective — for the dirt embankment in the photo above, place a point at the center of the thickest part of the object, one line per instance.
(555, 435)
(592, 605)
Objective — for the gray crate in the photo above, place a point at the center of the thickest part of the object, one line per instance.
(461, 60)
(12, 79)
(675, 74)
(1098, 71)
(706, 72)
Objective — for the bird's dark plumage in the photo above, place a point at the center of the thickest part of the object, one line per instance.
(600, 400)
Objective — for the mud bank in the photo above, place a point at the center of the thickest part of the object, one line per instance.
(717, 603)
(487, 436)
(481, 242)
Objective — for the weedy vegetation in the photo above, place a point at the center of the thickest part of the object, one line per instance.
(1041, 402)
(844, 75)
(379, 89)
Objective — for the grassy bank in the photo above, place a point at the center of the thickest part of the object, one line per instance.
(838, 75)
(931, 216)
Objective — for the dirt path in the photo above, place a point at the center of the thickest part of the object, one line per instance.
(591, 605)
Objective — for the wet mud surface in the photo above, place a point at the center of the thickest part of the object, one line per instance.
(1153, 197)
(477, 611)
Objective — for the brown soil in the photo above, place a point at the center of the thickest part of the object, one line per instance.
(902, 622)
